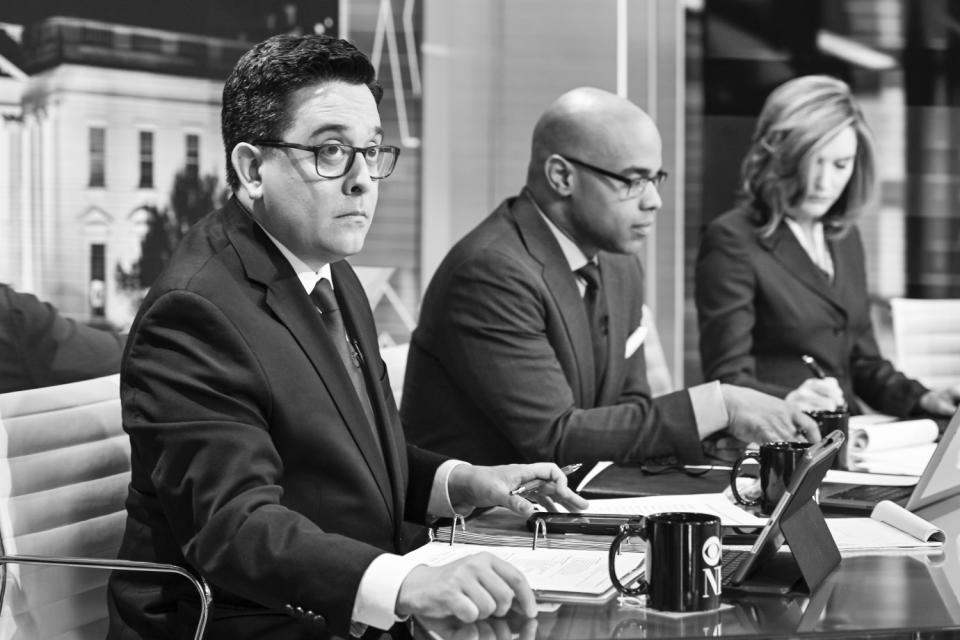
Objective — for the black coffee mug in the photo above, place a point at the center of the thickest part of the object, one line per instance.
(830, 421)
(682, 561)
(778, 460)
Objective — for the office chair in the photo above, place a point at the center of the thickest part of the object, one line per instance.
(64, 471)
(926, 340)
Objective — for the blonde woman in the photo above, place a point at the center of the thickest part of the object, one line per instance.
(782, 274)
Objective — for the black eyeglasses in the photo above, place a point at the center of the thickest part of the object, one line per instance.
(635, 186)
(334, 160)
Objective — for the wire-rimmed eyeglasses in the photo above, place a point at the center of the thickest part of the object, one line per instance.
(334, 160)
(635, 186)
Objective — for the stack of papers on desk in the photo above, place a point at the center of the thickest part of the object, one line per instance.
(556, 575)
(900, 447)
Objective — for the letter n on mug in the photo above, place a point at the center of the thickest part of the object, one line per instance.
(711, 552)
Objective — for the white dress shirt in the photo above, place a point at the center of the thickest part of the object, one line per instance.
(815, 245)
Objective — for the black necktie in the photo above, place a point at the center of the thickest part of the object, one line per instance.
(326, 302)
(596, 307)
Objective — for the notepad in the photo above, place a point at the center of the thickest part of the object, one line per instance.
(889, 526)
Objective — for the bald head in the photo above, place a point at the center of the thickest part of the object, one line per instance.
(593, 165)
(590, 124)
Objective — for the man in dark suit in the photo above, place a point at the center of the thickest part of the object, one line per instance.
(40, 348)
(267, 454)
(522, 355)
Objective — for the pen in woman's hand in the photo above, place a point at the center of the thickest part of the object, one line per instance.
(814, 366)
(532, 485)
(818, 371)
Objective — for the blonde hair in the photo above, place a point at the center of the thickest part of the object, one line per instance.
(798, 118)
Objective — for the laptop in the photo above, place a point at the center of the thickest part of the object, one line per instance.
(940, 480)
(796, 520)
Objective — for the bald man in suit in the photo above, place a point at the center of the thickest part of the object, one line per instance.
(522, 353)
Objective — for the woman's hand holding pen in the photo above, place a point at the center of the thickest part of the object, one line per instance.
(476, 486)
(817, 394)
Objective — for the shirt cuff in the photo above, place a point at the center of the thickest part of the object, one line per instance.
(440, 505)
(376, 602)
(709, 409)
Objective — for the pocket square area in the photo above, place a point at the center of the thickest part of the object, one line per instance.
(634, 341)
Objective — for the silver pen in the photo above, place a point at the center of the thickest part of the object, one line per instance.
(532, 485)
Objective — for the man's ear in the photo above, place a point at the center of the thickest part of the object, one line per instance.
(247, 161)
(558, 174)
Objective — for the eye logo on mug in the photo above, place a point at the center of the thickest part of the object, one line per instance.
(711, 551)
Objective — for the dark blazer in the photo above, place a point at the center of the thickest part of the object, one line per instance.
(253, 463)
(501, 365)
(40, 348)
(762, 303)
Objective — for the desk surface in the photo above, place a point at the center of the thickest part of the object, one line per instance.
(892, 594)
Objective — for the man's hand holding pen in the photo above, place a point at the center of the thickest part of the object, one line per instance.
(513, 486)
(482, 585)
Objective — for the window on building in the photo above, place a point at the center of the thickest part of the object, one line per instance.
(98, 273)
(193, 155)
(98, 152)
(146, 159)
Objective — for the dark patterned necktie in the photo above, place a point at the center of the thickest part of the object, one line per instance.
(596, 308)
(326, 301)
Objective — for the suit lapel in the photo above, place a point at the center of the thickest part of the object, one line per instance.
(286, 298)
(562, 285)
(843, 254)
(357, 314)
(786, 249)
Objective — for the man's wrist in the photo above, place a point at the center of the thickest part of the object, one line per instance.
(709, 408)
(442, 503)
(376, 600)
(458, 489)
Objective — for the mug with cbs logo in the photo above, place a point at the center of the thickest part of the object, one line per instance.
(682, 565)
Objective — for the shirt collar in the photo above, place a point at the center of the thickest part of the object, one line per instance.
(815, 246)
(574, 256)
(307, 276)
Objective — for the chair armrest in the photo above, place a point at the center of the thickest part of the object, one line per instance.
(123, 565)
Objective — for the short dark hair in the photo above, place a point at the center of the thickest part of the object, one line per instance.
(255, 95)
(798, 118)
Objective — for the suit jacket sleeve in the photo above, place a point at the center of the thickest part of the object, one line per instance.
(724, 292)
(198, 409)
(500, 341)
(875, 380)
(39, 347)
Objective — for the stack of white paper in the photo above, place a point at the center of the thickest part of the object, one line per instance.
(902, 447)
